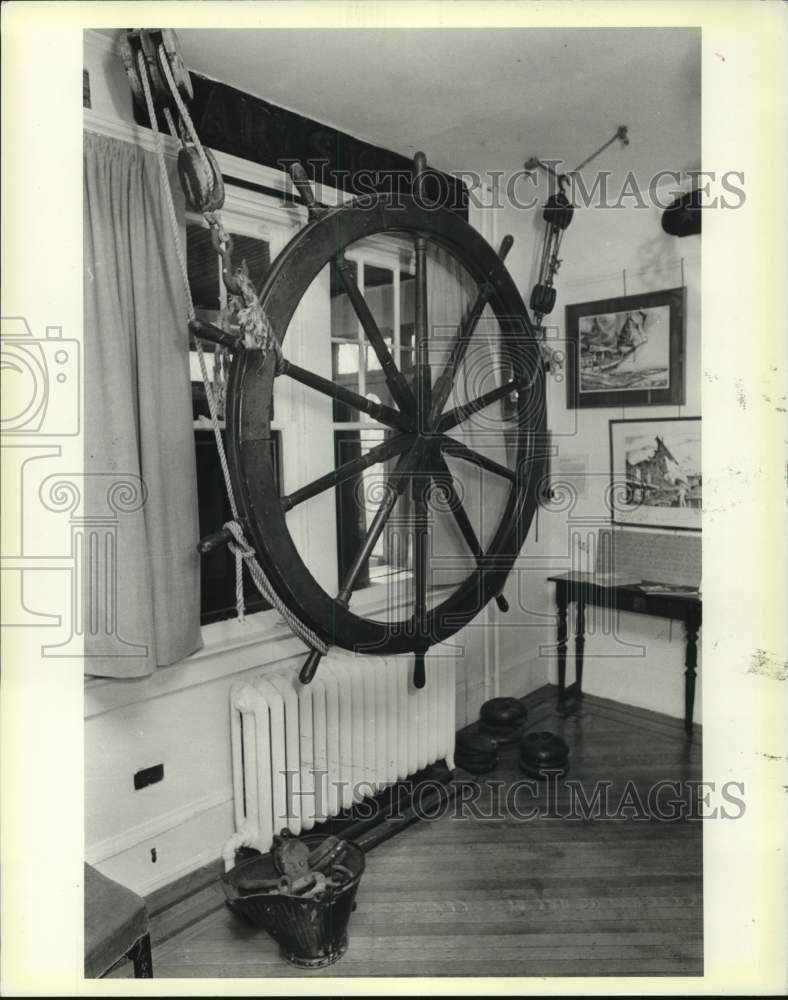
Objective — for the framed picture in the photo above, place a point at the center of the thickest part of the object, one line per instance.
(655, 473)
(627, 351)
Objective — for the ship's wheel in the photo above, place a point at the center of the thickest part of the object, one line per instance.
(423, 446)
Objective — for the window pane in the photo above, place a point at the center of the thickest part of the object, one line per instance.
(344, 322)
(407, 316)
(203, 269)
(205, 288)
(379, 293)
(344, 372)
(358, 500)
(217, 568)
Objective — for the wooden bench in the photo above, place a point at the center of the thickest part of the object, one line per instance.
(116, 927)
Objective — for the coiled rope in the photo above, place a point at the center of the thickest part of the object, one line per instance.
(260, 334)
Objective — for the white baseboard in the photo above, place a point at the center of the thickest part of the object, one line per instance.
(179, 850)
(110, 847)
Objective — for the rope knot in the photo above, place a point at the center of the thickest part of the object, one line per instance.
(246, 313)
(239, 547)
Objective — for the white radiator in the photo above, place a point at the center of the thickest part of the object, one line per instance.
(301, 753)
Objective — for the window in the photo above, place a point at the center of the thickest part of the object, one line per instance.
(387, 286)
(312, 433)
(217, 569)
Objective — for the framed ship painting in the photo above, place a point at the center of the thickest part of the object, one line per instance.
(626, 351)
(655, 473)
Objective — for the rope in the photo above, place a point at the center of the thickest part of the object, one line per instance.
(239, 547)
(171, 125)
(244, 311)
(182, 109)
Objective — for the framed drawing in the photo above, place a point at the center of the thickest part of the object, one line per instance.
(626, 351)
(655, 473)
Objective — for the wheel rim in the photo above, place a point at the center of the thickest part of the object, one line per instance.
(250, 393)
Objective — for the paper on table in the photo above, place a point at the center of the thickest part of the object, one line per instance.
(607, 579)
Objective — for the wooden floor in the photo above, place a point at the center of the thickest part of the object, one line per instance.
(550, 896)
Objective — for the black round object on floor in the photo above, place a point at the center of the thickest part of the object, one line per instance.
(475, 752)
(501, 734)
(502, 719)
(472, 741)
(508, 712)
(475, 764)
(543, 752)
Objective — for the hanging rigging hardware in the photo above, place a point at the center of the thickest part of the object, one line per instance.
(557, 214)
(201, 178)
(621, 134)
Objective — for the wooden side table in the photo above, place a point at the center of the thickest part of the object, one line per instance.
(582, 589)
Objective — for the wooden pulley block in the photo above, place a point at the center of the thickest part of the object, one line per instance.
(172, 52)
(128, 54)
(543, 752)
(542, 299)
(558, 211)
(162, 97)
(204, 189)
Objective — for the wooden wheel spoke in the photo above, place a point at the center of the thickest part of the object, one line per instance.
(378, 411)
(395, 380)
(423, 384)
(395, 484)
(445, 480)
(380, 453)
(443, 385)
(445, 381)
(423, 381)
(420, 558)
(459, 450)
(460, 413)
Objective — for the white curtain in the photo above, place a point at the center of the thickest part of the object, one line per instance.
(138, 419)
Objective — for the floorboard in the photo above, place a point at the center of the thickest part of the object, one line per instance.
(470, 895)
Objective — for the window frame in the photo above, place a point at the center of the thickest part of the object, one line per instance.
(380, 254)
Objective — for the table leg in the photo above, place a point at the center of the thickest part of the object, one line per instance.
(580, 642)
(562, 635)
(690, 672)
(140, 956)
